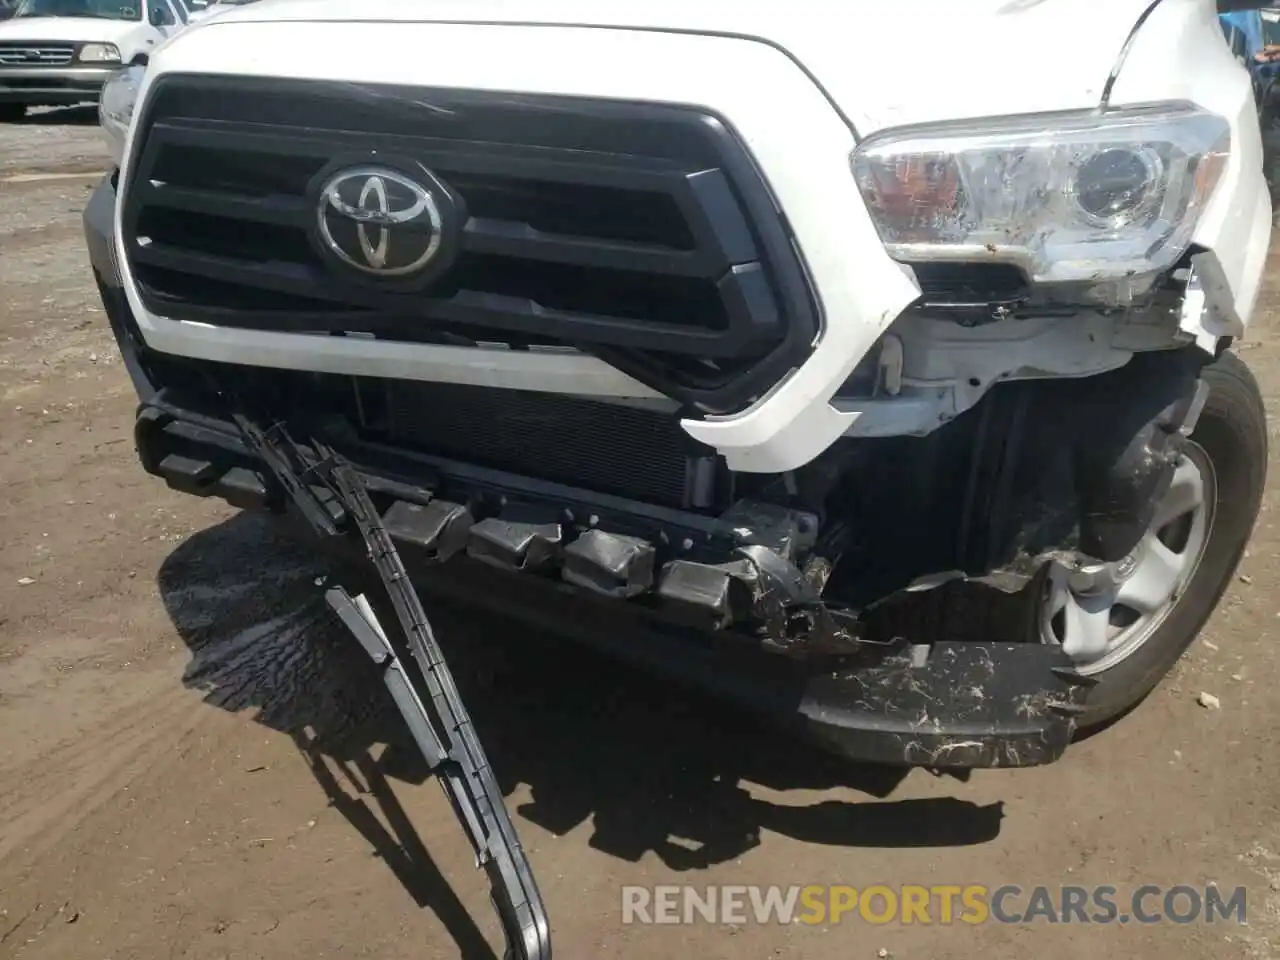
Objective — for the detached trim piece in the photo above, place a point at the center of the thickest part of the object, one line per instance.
(333, 498)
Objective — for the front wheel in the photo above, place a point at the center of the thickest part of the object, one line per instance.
(1129, 632)
(12, 112)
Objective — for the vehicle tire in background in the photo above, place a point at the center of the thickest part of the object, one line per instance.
(12, 112)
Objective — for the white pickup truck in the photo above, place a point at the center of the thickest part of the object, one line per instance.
(61, 52)
(734, 335)
(893, 396)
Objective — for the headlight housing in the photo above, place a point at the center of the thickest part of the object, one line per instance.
(100, 53)
(115, 108)
(1066, 197)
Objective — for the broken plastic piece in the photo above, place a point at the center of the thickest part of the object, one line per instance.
(790, 605)
(358, 617)
(717, 594)
(610, 564)
(515, 546)
(439, 528)
(1208, 308)
(283, 458)
(787, 533)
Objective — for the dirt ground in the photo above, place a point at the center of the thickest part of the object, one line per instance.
(194, 764)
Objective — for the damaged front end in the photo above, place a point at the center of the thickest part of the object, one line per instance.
(641, 394)
(897, 581)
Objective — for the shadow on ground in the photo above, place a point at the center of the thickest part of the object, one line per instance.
(653, 766)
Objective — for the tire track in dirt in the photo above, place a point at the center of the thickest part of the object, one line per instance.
(70, 783)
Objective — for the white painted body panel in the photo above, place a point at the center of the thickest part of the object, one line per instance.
(799, 82)
(885, 63)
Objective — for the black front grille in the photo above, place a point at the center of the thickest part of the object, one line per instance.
(640, 233)
(605, 447)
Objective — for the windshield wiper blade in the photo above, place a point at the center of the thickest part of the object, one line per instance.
(329, 492)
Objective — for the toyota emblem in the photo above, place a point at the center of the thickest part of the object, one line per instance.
(379, 221)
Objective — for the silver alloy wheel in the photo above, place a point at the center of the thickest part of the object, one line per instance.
(1101, 620)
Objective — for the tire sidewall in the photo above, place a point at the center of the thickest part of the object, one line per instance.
(1232, 431)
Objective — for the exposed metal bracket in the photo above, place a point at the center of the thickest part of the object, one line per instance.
(1208, 306)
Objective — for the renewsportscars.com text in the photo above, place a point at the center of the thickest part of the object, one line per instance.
(932, 904)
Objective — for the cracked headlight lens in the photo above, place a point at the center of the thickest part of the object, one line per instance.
(1067, 197)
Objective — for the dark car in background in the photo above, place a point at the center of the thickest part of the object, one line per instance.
(1254, 38)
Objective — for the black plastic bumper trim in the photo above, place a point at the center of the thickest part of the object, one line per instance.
(1018, 710)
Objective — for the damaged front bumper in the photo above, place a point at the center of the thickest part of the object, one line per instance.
(689, 595)
(700, 619)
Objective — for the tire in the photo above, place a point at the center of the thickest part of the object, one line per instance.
(1232, 431)
(12, 112)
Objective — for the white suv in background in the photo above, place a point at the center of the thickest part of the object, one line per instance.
(61, 52)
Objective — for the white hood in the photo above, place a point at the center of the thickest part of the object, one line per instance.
(69, 29)
(884, 62)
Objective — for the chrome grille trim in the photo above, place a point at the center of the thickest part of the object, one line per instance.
(36, 54)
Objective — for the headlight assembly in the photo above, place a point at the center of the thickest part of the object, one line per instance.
(100, 53)
(1068, 197)
(115, 109)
